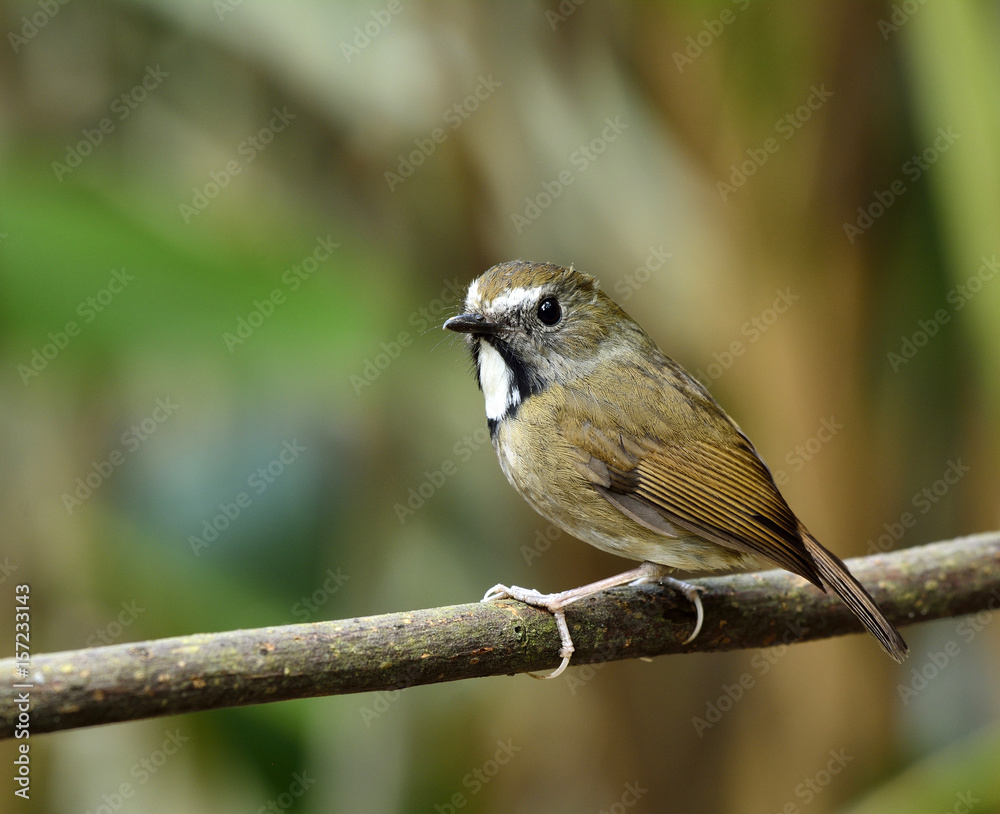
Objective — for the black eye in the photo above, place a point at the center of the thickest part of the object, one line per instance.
(549, 311)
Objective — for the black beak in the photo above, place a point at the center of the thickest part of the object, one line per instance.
(473, 324)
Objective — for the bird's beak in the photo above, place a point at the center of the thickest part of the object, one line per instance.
(473, 324)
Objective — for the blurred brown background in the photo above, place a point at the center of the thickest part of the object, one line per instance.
(229, 233)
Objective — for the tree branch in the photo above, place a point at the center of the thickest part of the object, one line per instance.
(209, 671)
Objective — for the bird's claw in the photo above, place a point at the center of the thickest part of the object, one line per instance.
(546, 602)
(556, 604)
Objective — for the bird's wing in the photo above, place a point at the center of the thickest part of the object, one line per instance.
(706, 479)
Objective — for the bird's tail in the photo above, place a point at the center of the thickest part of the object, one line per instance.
(835, 574)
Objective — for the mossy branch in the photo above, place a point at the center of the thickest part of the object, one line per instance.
(128, 682)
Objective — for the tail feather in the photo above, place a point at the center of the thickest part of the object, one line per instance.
(835, 574)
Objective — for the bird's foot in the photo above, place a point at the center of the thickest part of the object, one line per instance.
(554, 604)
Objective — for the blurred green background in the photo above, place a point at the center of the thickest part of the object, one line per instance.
(229, 233)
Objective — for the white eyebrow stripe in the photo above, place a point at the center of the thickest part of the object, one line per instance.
(514, 299)
(472, 297)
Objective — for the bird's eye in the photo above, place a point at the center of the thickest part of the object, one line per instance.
(549, 311)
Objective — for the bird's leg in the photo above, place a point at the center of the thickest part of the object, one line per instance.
(556, 603)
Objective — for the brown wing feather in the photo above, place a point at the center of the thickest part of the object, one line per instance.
(705, 478)
(675, 464)
(727, 496)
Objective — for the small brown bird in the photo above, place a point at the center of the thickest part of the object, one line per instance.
(616, 444)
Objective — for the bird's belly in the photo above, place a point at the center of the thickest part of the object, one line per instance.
(576, 507)
(626, 538)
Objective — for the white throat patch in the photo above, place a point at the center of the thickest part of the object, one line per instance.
(497, 382)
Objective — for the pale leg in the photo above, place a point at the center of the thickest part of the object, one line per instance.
(555, 603)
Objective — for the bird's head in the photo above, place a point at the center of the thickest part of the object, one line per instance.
(531, 325)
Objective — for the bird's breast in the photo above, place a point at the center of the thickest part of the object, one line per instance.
(539, 463)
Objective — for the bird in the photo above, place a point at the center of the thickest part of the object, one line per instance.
(616, 444)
